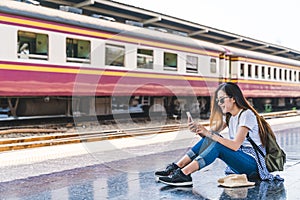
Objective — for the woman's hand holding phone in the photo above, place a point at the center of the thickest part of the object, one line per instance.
(196, 128)
(202, 131)
(191, 124)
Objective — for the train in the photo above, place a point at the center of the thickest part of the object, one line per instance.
(54, 62)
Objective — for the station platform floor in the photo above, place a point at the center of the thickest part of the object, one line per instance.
(124, 169)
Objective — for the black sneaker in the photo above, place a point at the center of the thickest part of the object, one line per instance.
(178, 178)
(168, 171)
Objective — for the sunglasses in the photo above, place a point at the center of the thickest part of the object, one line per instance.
(221, 100)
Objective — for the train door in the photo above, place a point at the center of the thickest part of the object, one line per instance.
(235, 71)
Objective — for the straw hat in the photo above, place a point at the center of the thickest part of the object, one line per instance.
(235, 180)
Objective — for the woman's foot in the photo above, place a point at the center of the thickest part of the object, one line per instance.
(167, 172)
(178, 178)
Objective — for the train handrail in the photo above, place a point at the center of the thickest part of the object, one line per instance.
(32, 56)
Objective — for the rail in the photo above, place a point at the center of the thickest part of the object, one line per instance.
(51, 139)
(68, 138)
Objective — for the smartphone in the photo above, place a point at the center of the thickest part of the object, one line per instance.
(190, 118)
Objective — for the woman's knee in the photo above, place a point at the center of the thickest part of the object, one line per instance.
(203, 145)
(197, 146)
(192, 154)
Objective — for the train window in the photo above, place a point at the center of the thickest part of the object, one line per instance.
(192, 64)
(170, 61)
(290, 75)
(213, 65)
(114, 55)
(242, 69)
(32, 45)
(256, 71)
(295, 74)
(285, 74)
(78, 50)
(275, 73)
(269, 73)
(145, 58)
(249, 70)
(299, 76)
(263, 72)
(280, 74)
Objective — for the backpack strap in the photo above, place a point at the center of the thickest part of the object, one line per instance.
(254, 145)
(240, 115)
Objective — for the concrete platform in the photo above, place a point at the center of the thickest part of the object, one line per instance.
(124, 168)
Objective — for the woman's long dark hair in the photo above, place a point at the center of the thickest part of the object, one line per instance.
(233, 91)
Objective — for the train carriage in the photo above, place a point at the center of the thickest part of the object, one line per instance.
(270, 82)
(54, 62)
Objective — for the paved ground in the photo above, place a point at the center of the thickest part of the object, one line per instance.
(123, 169)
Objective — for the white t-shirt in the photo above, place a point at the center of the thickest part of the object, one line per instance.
(247, 119)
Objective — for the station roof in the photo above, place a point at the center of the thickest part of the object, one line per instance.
(124, 13)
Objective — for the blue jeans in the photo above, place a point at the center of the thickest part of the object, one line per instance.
(207, 150)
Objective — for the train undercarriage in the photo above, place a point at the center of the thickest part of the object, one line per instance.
(169, 106)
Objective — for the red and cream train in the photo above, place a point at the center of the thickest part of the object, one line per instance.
(57, 63)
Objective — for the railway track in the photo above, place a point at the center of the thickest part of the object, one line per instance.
(60, 138)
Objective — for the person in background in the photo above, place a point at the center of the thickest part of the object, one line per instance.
(24, 51)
